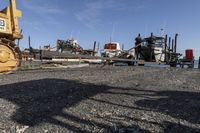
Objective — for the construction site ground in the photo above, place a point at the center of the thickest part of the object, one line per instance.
(101, 99)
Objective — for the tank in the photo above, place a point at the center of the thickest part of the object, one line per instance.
(189, 54)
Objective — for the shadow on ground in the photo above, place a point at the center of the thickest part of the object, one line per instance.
(41, 100)
(178, 104)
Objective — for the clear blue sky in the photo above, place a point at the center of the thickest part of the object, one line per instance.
(89, 20)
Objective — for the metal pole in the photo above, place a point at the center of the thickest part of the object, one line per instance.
(98, 46)
(40, 54)
(29, 42)
(165, 48)
(175, 46)
(169, 43)
(94, 49)
(122, 47)
(151, 34)
(30, 48)
(199, 63)
(151, 48)
(172, 45)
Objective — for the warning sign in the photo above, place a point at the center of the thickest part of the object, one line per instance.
(2, 25)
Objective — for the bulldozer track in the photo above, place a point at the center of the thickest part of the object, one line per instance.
(14, 62)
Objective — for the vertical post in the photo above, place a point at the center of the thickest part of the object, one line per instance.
(172, 45)
(199, 63)
(169, 43)
(94, 48)
(165, 48)
(122, 47)
(29, 42)
(98, 46)
(175, 46)
(151, 34)
(40, 54)
(30, 48)
(138, 42)
(151, 54)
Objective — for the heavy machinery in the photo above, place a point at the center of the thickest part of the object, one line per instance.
(10, 54)
(111, 49)
(71, 45)
(157, 49)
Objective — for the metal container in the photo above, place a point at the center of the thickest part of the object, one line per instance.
(189, 54)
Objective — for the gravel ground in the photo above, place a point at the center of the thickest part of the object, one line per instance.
(100, 99)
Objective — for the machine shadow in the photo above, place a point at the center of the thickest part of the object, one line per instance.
(40, 101)
(178, 104)
(181, 105)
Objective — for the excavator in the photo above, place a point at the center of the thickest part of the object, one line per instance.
(10, 55)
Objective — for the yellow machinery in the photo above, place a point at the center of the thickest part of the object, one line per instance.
(10, 54)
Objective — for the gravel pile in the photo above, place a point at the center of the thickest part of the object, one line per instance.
(100, 99)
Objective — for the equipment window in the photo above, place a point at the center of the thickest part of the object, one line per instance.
(2, 23)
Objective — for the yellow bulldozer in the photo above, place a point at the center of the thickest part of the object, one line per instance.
(10, 55)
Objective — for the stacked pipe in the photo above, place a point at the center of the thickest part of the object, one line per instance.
(172, 43)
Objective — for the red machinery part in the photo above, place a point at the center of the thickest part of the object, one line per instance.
(189, 54)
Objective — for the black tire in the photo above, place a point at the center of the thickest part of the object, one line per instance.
(173, 65)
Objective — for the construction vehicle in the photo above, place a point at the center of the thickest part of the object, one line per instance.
(10, 54)
(111, 49)
(72, 46)
(157, 49)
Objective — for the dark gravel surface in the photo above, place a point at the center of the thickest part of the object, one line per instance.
(101, 100)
